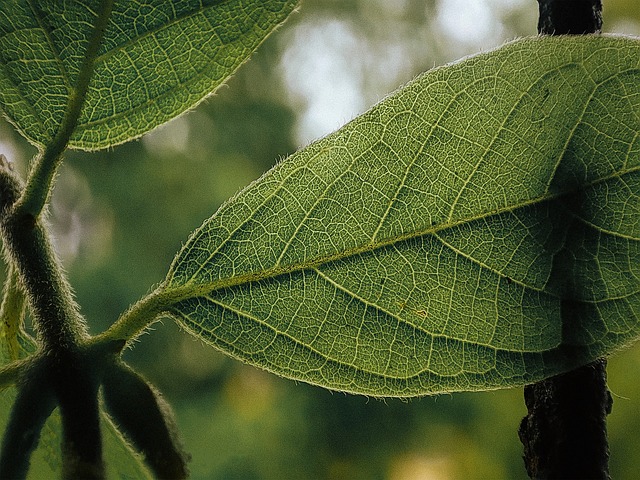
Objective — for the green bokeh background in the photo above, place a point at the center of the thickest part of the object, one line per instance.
(120, 216)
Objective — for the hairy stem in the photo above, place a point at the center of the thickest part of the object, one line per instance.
(135, 320)
(43, 170)
(76, 390)
(28, 248)
(26, 239)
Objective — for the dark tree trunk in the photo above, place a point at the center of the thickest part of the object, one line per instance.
(576, 17)
(565, 433)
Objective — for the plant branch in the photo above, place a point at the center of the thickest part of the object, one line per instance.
(43, 170)
(28, 248)
(569, 17)
(76, 390)
(564, 433)
(26, 240)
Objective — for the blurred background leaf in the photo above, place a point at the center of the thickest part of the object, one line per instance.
(121, 215)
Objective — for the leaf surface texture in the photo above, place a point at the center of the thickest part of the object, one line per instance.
(157, 58)
(477, 229)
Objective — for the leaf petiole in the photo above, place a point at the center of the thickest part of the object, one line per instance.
(45, 165)
(137, 318)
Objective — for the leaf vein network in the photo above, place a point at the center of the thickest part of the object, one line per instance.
(487, 149)
(37, 13)
(197, 286)
(410, 165)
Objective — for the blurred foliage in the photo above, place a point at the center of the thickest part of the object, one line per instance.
(120, 216)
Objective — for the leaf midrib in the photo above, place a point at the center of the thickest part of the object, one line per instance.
(194, 288)
(435, 125)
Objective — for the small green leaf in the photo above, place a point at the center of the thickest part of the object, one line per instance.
(477, 229)
(145, 419)
(156, 59)
(30, 410)
(11, 317)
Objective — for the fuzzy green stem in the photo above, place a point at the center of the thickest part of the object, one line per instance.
(28, 248)
(135, 320)
(43, 170)
(26, 240)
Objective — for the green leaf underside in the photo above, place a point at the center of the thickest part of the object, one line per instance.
(477, 229)
(158, 58)
(46, 461)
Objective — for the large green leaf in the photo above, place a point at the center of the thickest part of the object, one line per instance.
(156, 59)
(477, 229)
